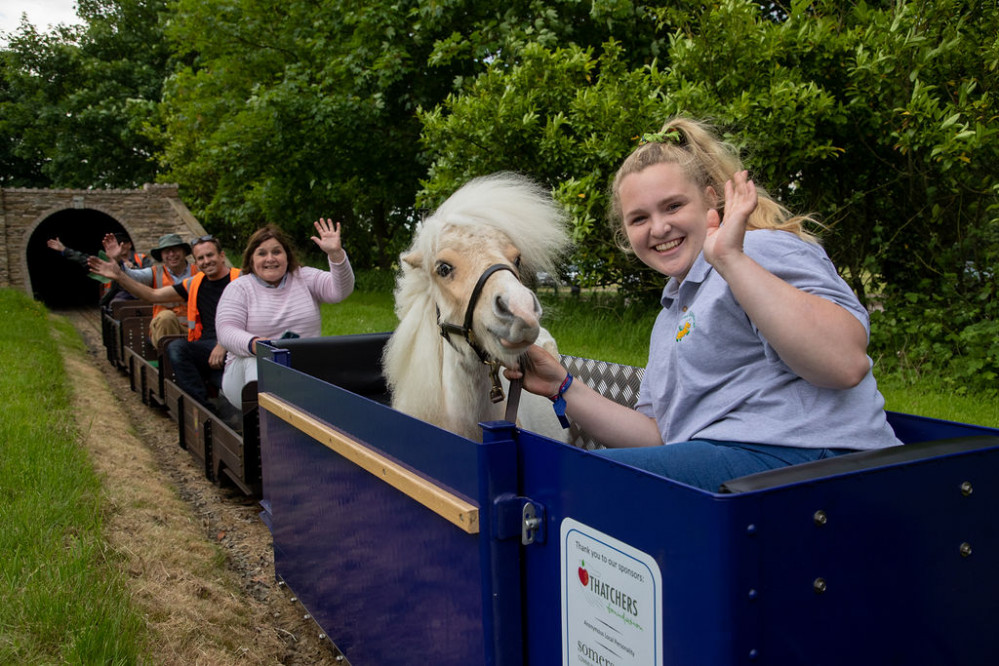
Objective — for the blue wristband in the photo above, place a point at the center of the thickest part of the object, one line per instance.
(559, 401)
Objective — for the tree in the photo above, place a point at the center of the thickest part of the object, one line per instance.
(39, 71)
(566, 117)
(308, 109)
(284, 113)
(76, 102)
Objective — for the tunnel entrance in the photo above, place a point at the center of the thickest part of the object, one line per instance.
(56, 281)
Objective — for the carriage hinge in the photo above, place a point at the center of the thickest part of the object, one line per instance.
(520, 516)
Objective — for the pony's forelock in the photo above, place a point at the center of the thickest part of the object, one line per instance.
(509, 203)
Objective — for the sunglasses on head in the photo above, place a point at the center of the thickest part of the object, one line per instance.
(203, 239)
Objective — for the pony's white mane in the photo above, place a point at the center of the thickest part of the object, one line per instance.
(506, 202)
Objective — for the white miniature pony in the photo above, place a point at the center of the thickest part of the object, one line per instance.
(463, 310)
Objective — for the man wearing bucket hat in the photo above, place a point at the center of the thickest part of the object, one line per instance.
(171, 251)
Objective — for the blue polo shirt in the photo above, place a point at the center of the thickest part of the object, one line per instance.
(712, 375)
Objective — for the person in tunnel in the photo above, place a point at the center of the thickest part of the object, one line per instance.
(129, 258)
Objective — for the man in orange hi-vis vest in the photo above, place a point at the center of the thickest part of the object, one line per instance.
(197, 363)
(171, 251)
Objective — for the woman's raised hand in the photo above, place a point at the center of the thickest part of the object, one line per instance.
(725, 236)
(328, 239)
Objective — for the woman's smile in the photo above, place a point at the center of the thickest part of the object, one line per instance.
(668, 245)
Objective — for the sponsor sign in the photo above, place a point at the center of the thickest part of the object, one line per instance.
(611, 601)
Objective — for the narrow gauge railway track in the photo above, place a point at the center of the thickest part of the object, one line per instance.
(83, 318)
(224, 514)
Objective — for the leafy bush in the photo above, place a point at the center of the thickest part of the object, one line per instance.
(941, 335)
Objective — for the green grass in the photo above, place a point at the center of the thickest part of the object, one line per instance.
(599, 326)
(362, 312)
(62, 601)
(926, 399)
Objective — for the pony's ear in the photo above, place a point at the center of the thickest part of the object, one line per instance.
(414, 259)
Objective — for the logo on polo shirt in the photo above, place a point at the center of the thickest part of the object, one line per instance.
(687, 324)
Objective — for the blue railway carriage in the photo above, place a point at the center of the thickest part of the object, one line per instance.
(410, 545)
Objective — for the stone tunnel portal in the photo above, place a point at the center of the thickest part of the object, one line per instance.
(55, 280)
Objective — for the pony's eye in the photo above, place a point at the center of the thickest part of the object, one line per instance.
(444, 269)
(516, 262)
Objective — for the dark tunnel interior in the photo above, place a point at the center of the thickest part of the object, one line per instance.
(55, 280)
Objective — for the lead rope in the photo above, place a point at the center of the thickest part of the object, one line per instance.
(513, 402)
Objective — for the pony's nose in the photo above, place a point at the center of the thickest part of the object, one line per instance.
(500, 307)
(526, 307)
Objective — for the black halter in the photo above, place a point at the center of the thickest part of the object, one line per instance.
(496, 393)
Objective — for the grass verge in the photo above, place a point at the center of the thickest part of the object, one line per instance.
(63, 602)
(927, 399)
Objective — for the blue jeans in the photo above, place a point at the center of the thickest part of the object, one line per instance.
(191, 369)
(706, 464)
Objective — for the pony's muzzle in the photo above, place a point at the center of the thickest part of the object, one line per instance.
(520, 314)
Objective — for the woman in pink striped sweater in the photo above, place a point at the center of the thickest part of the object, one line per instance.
(276, 296)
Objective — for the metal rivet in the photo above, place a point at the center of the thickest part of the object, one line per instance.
(819, 585)
(820, 517)
(306, 617)
(752, 594)
(294, 599)
(966, 488)
(322, 637)
(750, 528)
(965, 549)
(753, 654)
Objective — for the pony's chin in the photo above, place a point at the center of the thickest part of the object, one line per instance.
(511, 352)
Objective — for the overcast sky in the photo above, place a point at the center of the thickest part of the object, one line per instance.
(41, 13)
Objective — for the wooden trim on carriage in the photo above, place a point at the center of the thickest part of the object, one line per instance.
(445, 504)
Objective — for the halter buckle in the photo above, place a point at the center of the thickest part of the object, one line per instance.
(496, 392)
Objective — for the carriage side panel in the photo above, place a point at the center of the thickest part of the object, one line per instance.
(195, 429)
(236, 456)
(892, 563)
(390, 580)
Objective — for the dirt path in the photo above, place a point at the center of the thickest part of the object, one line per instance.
(197, 557)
